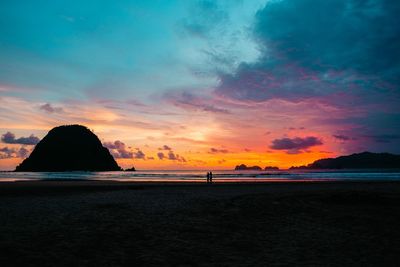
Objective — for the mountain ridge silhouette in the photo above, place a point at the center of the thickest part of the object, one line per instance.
(364, 160)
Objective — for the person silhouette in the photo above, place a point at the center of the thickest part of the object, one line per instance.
(208, 177)
(211, 177)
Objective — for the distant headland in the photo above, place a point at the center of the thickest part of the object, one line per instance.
(365, 160)
(243, 167)
(69, 148)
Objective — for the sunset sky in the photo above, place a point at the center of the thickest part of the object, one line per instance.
(203, 84)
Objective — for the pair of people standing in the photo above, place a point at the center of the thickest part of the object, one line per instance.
(209, 177)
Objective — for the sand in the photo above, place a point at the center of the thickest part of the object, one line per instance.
(129, 224)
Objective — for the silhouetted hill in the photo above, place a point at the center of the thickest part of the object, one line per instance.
(130, 169)
(243, 167)
(69, 148)
(365, 160)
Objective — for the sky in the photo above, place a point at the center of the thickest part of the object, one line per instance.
(187, 84)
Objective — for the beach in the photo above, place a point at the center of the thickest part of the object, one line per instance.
(100, 223)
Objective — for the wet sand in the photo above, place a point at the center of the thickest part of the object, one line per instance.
(85, 223)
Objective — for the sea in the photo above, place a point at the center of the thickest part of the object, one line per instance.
(197, 176)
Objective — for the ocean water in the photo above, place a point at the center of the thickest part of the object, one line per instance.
(218, 176)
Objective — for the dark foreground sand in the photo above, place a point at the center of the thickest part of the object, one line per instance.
(115, 224)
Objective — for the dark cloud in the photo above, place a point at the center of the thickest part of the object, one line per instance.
(160, 155)
(9, 138)
(295, 145)
(315, 49)
(217, 151)
(118, 149)
(333, 34)
(138, 154)
(50, 108)
(170, 156)
(6, 152)
(173, 156)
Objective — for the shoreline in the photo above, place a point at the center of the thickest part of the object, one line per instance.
(56, 186)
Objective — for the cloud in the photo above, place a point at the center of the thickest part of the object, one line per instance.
(9, 138)
(160, 155)
(340, 51)
(221, 33)
(217, 151)
(221, 161)
(294, 128)
(173, 156)
(295, 145)
(23, 152)
(206, 15)
(170, 155)
(383, 138)
(165, 147)
(118, 149)
(6, 152)
(345, 34)
(51, 109)
(139, 154)
(342, 137)
(190, 101)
